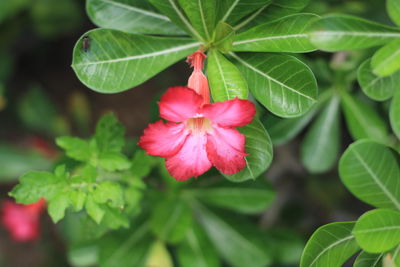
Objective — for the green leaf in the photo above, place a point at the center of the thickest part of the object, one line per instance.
(57, 207)
(111, 67)
(362, 120)
(142, 164)
(343, 32)
(288, 34)
(330, 246)
(371, 172)
(226, 82)
(282, 83)
(395, 113)
(110, 134)
(172, 9)
(378, 230)
(232, 11)
(114, 219)
(366, 259)
(196, 250)
(109, 192)
(112, 161)
(134, 16)
(76, 148)
(238, 242)
(259, 148)
(77, 199)
(201, 14)
(246, 200)
(223, 37)
(377, 88)
(95, 211)
(393, 9)
(171, 220)
(320, 148)
(386, 60)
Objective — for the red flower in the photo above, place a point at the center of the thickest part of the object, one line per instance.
(22, 221)
(198, 134)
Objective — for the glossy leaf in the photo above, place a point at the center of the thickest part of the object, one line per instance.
(371, 172)
(231, 11)
(366, 259)
(362, 120)
(320, 148)
(226, 81)
(259, 150)
(282, 83)
(386, 60)
(114, 61)
(394, 113)
(330, 246)
(288, 34)
(393, 9)
(201, 14)
(375, 87)
(343, 32)
(132, 16)
(378, 230)
(223, 37)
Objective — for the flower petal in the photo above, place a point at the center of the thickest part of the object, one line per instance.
(179, 103)
(191, 160)
(230, 113)
(163, 139)
(226, 149)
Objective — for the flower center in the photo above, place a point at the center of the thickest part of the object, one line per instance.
(199, 125)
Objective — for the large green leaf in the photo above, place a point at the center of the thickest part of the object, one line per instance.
(282, 83)
(172, 9)
(231, 11)
(330, 246)
(362, 120)
(366, 259)
(114, 61)
(288, 34)
(133, 16)
(226, 82)
(320, 147)
(393, 8)
(238, 242)
(395, 113)
(375, 87)
(342, 32)
(201, 14)
(378, 230)
(259, 150)
(386, 60)
(371, 172)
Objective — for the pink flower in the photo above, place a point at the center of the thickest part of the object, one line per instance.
(197, 134)
(22, 221)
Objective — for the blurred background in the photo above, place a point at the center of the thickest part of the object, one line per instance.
(41, 98)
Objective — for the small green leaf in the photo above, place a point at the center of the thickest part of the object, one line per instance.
(109, 192)
(113, 218)
(226, 82)
(393, 9)
(57, 207)
(378, 230)
(395, 113)
(371, 172)
(113, 161)
(288, 34)
(77, 199)
(95, 211)
(75, 148)
(223, 37)
(141, 164)
(386, 60)
(343, 32)
(365, 259)
(377, 88)
(110, 134)
(259, 148)
(330, 246)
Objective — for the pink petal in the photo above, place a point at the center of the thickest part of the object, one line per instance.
(179, 103)
(226, 149)
(230, 113)
(191, 160)
(163, 139)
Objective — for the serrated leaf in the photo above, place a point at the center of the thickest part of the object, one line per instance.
(282, 83)
(134, 16)
(259, 150)
(343, 32)
(75, 148)
(320, 148)
(288, 34)
(57, 207)
(109, 192)
(94, 210)
(113, 218)
(110, 134)
(223, 37)
(117, 65)
(330, 246)
(375, 87)
(77, 199)
(113, 161)
(378, 230)
(395, 113)
(386, 60)
(226, 82)
(362, 120)
(371, 172)
(393, 9)
(365, 259)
